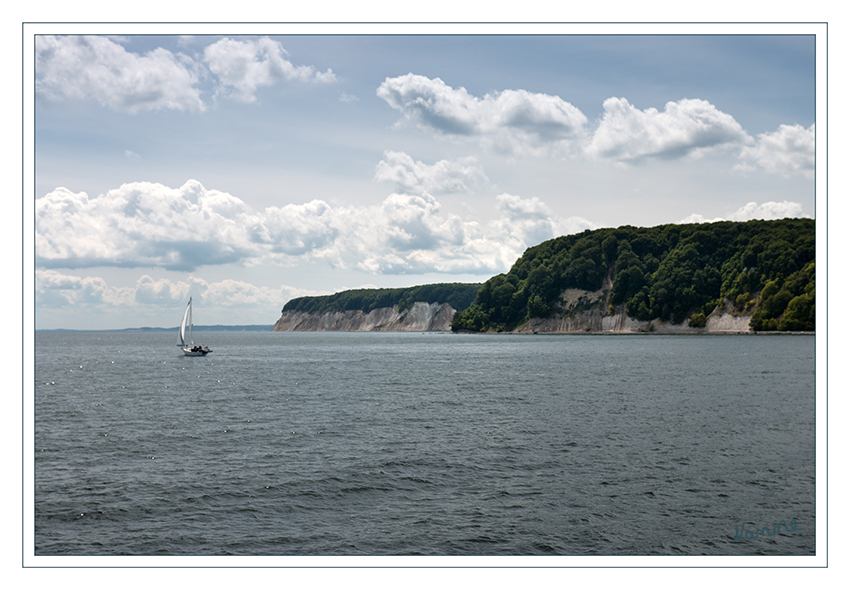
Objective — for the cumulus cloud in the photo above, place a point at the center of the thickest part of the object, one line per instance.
(151, 225)
(788, 151)
(518, 121)
(57, 290)
(295, 229)
(689, 127)
(412, 176)
(511, 120)
(244, 66)
(417, 239)
(228, 293)
(405, 234)
(54, 289)
(97, 68)
(141, 224)
(768, 210)
(148, 291)
(517, 208)
(239, 294)
(530, 221)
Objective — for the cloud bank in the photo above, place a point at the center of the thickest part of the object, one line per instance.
(768, 210)
(58, 290)
(521, 122)
(151, 225)
(100, 69)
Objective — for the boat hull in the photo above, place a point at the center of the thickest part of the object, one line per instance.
(196, 352)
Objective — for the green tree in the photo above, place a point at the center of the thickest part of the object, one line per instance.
(799, 314)
(698, 320)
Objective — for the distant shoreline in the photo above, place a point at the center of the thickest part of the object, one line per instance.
(268, 328)
(196, 328)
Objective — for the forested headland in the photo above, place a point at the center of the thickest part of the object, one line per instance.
(674, 273)
(458, 295)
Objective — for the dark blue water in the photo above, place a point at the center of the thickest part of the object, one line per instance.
(424, 444)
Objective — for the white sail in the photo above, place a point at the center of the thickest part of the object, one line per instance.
(186, 327)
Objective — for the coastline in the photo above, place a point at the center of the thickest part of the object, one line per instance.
(654, 333)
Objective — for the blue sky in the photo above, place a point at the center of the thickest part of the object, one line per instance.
(247, 170)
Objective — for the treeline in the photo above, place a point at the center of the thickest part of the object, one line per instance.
(458, 295)
(671, 272)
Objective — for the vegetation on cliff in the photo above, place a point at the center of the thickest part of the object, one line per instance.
(458, 295)
(671, 272)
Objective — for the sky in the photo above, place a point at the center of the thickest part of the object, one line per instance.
(245, 170)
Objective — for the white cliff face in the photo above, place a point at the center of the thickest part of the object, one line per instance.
(594, 321)
(420, 317)
(435, 317)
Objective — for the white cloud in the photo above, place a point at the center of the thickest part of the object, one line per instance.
(787, 151)
(413, 237)
(404, 234)
(141, 224)
(768, 210)
(225, 294)
(244, 66)
(529, 221)
(698, 218)
(58, 290)
(98, 68)
(295, 230)
(151, 225)
(417, 177)
(160, 292)
(509, 121)
(518, 208)
(518, 121)
(689, 127)
(55, 289)
(239, 294)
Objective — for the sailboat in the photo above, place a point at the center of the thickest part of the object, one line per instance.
(185, 342)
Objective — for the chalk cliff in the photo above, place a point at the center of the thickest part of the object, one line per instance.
(420, 317)
(587, 311)
(595, 321)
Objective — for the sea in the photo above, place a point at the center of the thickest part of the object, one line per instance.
(424, 444)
